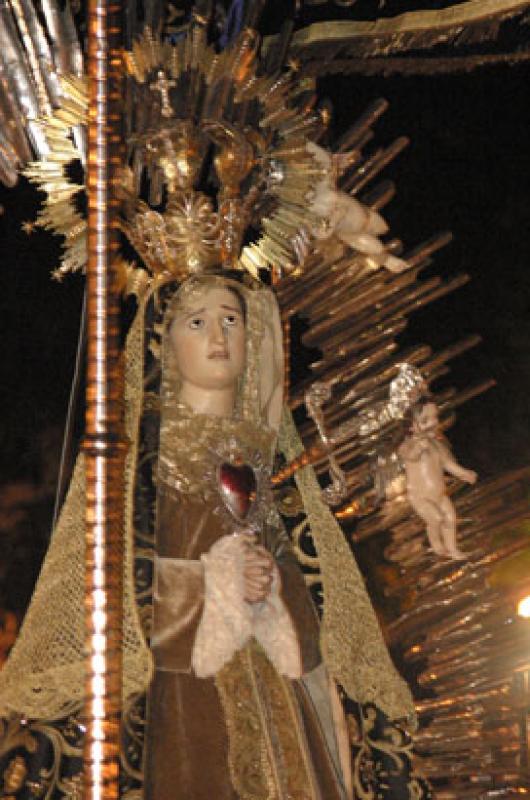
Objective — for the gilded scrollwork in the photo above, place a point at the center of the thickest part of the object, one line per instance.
(382, 757)
(42, 759)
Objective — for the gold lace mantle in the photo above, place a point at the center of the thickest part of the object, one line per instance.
(45, 674)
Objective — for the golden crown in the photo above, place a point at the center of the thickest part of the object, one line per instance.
(217, 151)
(221, 165)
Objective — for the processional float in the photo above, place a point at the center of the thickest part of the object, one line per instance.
(370, 275)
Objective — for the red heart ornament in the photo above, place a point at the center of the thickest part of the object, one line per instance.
(238, 487)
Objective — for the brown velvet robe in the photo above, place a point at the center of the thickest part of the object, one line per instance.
(248, 727)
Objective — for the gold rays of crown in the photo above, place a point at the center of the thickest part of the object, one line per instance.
(217, 152)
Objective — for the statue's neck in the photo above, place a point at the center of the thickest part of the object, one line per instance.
(215, 402)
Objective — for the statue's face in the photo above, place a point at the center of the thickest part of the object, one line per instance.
(208, 339)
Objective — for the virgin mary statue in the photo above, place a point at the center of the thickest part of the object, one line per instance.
(229, 677)
(239, 699)
(219, 627)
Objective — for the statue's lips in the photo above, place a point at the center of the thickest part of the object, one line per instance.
(220, 356)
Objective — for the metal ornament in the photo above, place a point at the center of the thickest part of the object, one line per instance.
(238, 489)
(405, 390)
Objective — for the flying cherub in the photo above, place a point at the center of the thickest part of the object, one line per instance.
(426, 457)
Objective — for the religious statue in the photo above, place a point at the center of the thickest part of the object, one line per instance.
(229, 676)
(238, 677)
(426, 457)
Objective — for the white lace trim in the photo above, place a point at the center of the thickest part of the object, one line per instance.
(226, 623)
(228, 620)
(274, 630)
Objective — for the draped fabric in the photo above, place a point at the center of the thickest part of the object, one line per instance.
(246, 727)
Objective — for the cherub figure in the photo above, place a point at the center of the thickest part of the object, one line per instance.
(426, 457)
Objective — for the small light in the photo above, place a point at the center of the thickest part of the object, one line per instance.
(523, 607)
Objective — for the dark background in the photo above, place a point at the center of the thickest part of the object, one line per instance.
(467, 170)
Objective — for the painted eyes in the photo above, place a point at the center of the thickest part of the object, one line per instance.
(228, 321)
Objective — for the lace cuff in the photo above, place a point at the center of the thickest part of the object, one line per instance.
(226, 623)
(274, 630)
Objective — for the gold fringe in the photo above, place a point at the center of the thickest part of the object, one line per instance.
(472, 21)
(267, 751)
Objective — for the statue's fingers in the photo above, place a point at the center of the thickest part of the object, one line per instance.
(263, 552)
(258, 562)
(259, 578)
(254, 594)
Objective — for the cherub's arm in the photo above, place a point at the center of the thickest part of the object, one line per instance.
(451, 465)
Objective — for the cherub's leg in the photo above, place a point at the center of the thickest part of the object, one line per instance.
(448, 528)
(432, 516)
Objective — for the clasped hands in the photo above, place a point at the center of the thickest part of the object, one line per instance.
(259, 570)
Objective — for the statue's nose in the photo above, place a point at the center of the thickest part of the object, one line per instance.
(217, 332)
